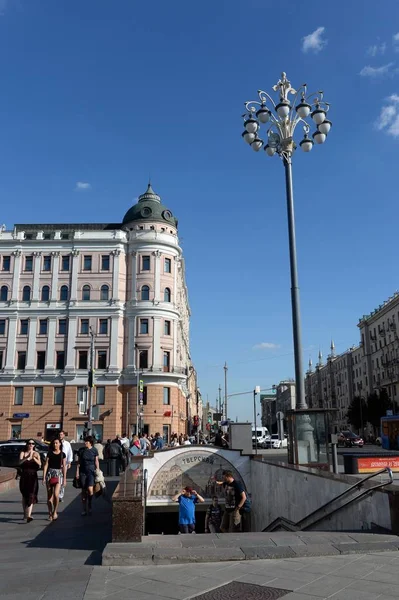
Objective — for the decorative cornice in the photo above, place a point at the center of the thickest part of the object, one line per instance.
(17, 253)
(55, 253)
(116, 252)
(157, 253)
(37, 254)
(75, 252)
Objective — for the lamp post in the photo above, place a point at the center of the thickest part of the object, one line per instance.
(281, 119)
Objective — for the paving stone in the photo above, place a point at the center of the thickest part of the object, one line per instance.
(361, 548)
(287, 540)
(316, 550)
(326, 586)
(352, 594)
(374, 537)
(259, 552)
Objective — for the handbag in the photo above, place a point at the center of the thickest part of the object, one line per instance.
(54, 480)
(77, 484)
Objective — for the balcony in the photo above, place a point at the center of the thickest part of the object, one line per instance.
(164, 369)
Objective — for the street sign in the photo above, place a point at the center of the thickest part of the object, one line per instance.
(20, 416)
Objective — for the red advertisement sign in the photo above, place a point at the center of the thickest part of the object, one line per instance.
(376, 463)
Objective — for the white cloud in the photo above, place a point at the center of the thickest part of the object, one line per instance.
(388, 120)
(266, 346)
(377, 71)
(3, 7)
(82, 185)
(314, 41)
(377, 49)
(395, 42)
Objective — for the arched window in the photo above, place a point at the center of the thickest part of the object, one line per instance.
(64, 293)
(104, 292)
(45, 293)
(4, 293)
(145, 292)
(26, 294)
(166, 295)
(86, 292)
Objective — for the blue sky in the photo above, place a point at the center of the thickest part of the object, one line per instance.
(105, 93)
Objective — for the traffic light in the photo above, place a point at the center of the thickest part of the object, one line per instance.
(141, 385)
(210, 417)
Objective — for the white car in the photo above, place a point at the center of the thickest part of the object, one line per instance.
(277, 443)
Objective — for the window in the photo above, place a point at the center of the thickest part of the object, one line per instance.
(166, 362)
(41, 360)
(86, 292)
(145, 292)
(43, 327)
(60, 360)
(105, 262)
(45, 293)
(65, 263)
(58, 396)
(62, 326)
(101, 359)
(47, 263)
(166, 396)
(146, 263)
(168, 265)
(144, 326)
(18, 396)
(26, 294)
(103, 329)
(166, 295)
(4, 293)
(1, 359)
(84, 326)
(28, 263)
(38, 401)
(64, 293)
(104, 292)
(87, 263)
(166, 433)
(6, 263)
(21, 360)
(23, 326)
(167, 327)
(2, 326)
(143, 359)
(82, 364)
(100, 395)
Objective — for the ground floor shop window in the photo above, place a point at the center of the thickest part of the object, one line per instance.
(166, 433)
(52, 431)
(97, 432)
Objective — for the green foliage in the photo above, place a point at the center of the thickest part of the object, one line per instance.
(357, 413)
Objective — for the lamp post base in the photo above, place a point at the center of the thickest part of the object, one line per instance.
(308, 437)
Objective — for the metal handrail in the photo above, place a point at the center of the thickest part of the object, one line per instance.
(357, 485)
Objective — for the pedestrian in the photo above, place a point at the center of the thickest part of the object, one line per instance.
(115, 453)
(67, 450)
(174, 441)
(54, 476)
(135, 446)
(187, 500)
(238, 506)
(219, 439)
(124, 440)
(144, 444)
(30, 463)
(100, 449)
(88, 463)
(213, 517)
(186, 441)
(159, 443)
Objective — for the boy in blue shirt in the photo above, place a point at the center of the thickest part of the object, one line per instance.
(187, 500)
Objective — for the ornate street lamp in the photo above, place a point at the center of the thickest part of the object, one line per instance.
(281, 120)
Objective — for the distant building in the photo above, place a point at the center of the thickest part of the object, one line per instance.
(123, 281)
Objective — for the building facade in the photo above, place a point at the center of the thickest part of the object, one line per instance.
(121, 285)
(371, 366)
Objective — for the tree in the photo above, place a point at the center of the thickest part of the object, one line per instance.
(357, 413)
(377, 406)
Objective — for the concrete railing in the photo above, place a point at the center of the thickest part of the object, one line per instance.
(128, 505)
(8, 479)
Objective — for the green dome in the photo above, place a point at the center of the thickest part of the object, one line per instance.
(149, 208)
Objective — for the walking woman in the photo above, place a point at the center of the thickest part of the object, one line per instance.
(88, 463)
(29, 484)
(54, 476)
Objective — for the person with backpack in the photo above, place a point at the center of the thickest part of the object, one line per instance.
(237, 516)
(213, 517)
(158, 442)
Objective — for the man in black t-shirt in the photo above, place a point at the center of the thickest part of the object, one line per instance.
(238, 506)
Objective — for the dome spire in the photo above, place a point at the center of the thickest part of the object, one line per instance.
(149, 194)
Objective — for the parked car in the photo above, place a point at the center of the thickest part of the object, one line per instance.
(349, 439)
(275, 442)
(10, 451)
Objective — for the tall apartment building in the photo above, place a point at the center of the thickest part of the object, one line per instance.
(124, 283)
(369, 367)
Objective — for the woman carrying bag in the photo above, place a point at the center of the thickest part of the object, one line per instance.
(54, 476)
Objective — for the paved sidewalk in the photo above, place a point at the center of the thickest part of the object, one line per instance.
(352, 577)
(50, 561)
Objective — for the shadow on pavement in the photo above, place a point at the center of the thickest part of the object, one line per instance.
(71, 531)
